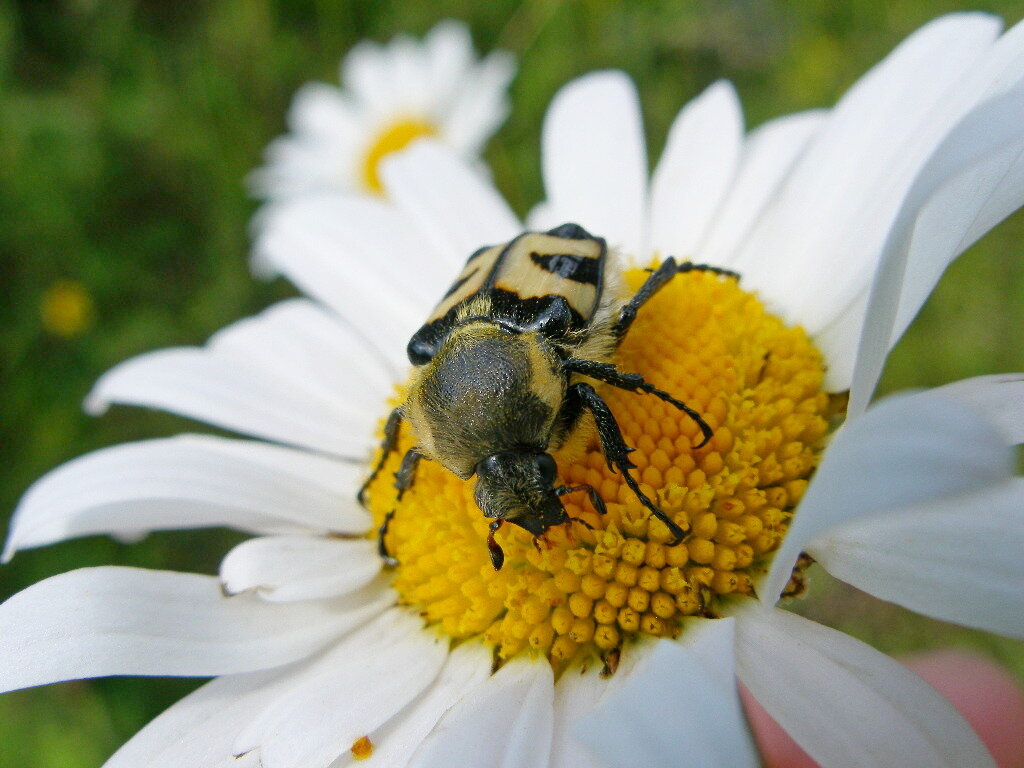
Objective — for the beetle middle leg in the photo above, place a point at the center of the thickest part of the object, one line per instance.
(668, 269)
(634, 382)
(387, 447)
(616, 452)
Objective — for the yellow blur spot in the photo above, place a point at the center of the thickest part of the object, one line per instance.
(67, 309)
(396, 136)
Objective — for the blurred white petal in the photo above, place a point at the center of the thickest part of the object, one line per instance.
(455, 210)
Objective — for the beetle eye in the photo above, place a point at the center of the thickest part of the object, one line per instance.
(547, 468)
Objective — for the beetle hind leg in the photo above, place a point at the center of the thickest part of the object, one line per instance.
(634, 382)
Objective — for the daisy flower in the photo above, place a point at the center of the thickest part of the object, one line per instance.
(613, 646)
(391, 95)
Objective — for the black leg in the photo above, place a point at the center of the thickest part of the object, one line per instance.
(406, 473)
(382, 548)
(616, 452)
(668, 269)
(595, 499)
(634, 382)
(387, 446)
(403, 482)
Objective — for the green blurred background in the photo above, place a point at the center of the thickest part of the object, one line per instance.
(127, 128)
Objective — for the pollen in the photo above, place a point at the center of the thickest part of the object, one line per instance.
(362, 749)
(392, 137)
(590, 587)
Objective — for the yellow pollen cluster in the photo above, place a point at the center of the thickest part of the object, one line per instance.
(586, 590)
(398, 135)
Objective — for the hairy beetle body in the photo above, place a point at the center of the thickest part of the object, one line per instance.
(502, 372)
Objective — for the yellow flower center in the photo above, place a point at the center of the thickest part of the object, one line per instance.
(395, 136)
(66, 309)
(589, 590)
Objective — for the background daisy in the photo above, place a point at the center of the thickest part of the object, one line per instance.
(390, 95)
(159, 270)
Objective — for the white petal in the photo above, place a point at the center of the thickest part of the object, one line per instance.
(1000, 397)
(362, 258)
(468, 666)
(293, 374)
(695, 170)
(366, 73)
(973, 181)
(768, 156)
(347, 693)
(505, 722)
(845, 703)
(577, 693)
(905, 450)
(190, 481)
(199, 729)
(957, 559)
(129, 621)
(321, 110)
(454, 209)
(594, 158)
(448, 55)
(481, 105)
(818, 249)
(284, 568)
(317, 154)
(679, 708)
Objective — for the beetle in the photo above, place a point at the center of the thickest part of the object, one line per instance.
(499, 377)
